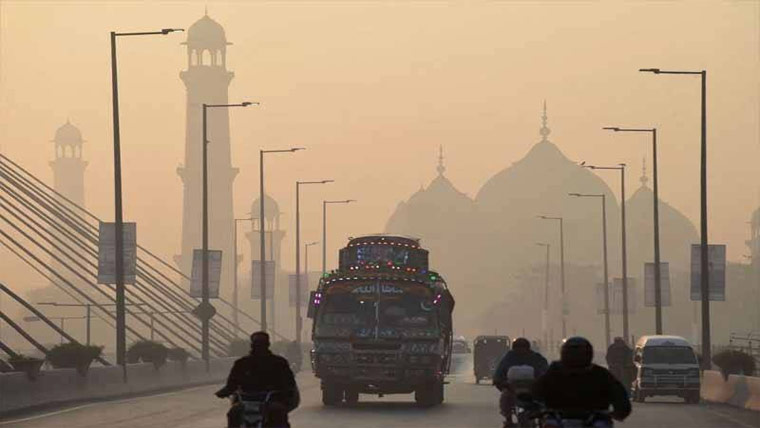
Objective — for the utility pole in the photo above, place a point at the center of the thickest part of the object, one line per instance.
(656, 222)
(299, 319)
(621, 168)
(606, 289)
(121, 325)
(704, 266)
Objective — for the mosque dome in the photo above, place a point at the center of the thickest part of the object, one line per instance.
(433, 211)
(68, 134)
(539, 184)
(271, 208)
(206, 33)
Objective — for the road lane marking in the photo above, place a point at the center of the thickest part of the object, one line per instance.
(84, 406)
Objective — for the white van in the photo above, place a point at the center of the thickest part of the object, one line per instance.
(665, 365)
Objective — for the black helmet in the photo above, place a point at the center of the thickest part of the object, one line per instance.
(521, 343)
(576, 352)
(260, 339)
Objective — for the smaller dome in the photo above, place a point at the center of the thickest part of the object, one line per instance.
(68, 134)
(271, 208)
(206, 32)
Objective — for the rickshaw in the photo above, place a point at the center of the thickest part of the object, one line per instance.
(488, 352)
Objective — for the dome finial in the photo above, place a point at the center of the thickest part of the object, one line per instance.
(644, 179)
(545, 131)
(441, 168)
(205, 10)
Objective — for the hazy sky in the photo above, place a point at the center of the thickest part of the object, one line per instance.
(372, 89)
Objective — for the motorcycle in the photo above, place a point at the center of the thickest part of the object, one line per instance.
(259, 410)
(535, 414)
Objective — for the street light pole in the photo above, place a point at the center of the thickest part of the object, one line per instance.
(299, 319)
(561, 269)
(545, 309)
(262, 232)
(624, 250)
(205, 320)
(324, 229)
(704, 271)
(606, 271)
(121, 325)
(656, 221)
(235, 305)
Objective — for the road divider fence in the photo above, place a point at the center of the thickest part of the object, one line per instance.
(60, 386)
(738, 391)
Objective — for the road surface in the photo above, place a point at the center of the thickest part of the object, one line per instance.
(467, 405)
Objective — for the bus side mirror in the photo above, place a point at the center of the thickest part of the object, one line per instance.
(637, 358)
(311, 311)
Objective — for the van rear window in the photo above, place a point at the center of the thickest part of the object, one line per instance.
(669, 355)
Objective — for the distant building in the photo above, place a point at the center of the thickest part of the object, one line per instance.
(207, 80)
(68, 165)
(538, 184)
(442, 216)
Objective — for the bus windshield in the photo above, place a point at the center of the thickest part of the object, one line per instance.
(669, 355)
(398, 311)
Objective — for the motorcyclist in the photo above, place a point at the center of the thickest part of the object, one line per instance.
(262, 371)
(519, 355)
(575, 387)
(619, 360)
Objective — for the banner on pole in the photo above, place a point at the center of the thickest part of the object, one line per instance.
(304, 290)
(107, 252)
(269, 266)
(649, 295)
(716, 272)
(214, 273)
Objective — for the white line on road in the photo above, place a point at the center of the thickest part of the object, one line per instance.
(83, 406)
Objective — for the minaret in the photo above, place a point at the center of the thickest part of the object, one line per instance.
(544, 131)
(441, 167)
(274, 237)
(206, 81)
(68, 166)
(644, 179)
(68, 179)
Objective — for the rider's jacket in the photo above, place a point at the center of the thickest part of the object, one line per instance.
(262, 371)
(518, 358)
(619, 354)
(576, 392)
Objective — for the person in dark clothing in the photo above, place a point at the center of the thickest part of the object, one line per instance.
(261, 371)
(620, 360)
(519, 355)
(575, 387)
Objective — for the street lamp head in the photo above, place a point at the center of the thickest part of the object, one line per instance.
(348, 201)
(249, 103)
(327, 181)
(650, 70)
(295, 149)
(171, 30)
(574, 194)
(612, 128)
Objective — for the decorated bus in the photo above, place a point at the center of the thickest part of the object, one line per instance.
(382, 323)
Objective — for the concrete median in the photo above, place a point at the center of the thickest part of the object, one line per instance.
(738, 391)
(59, 386)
